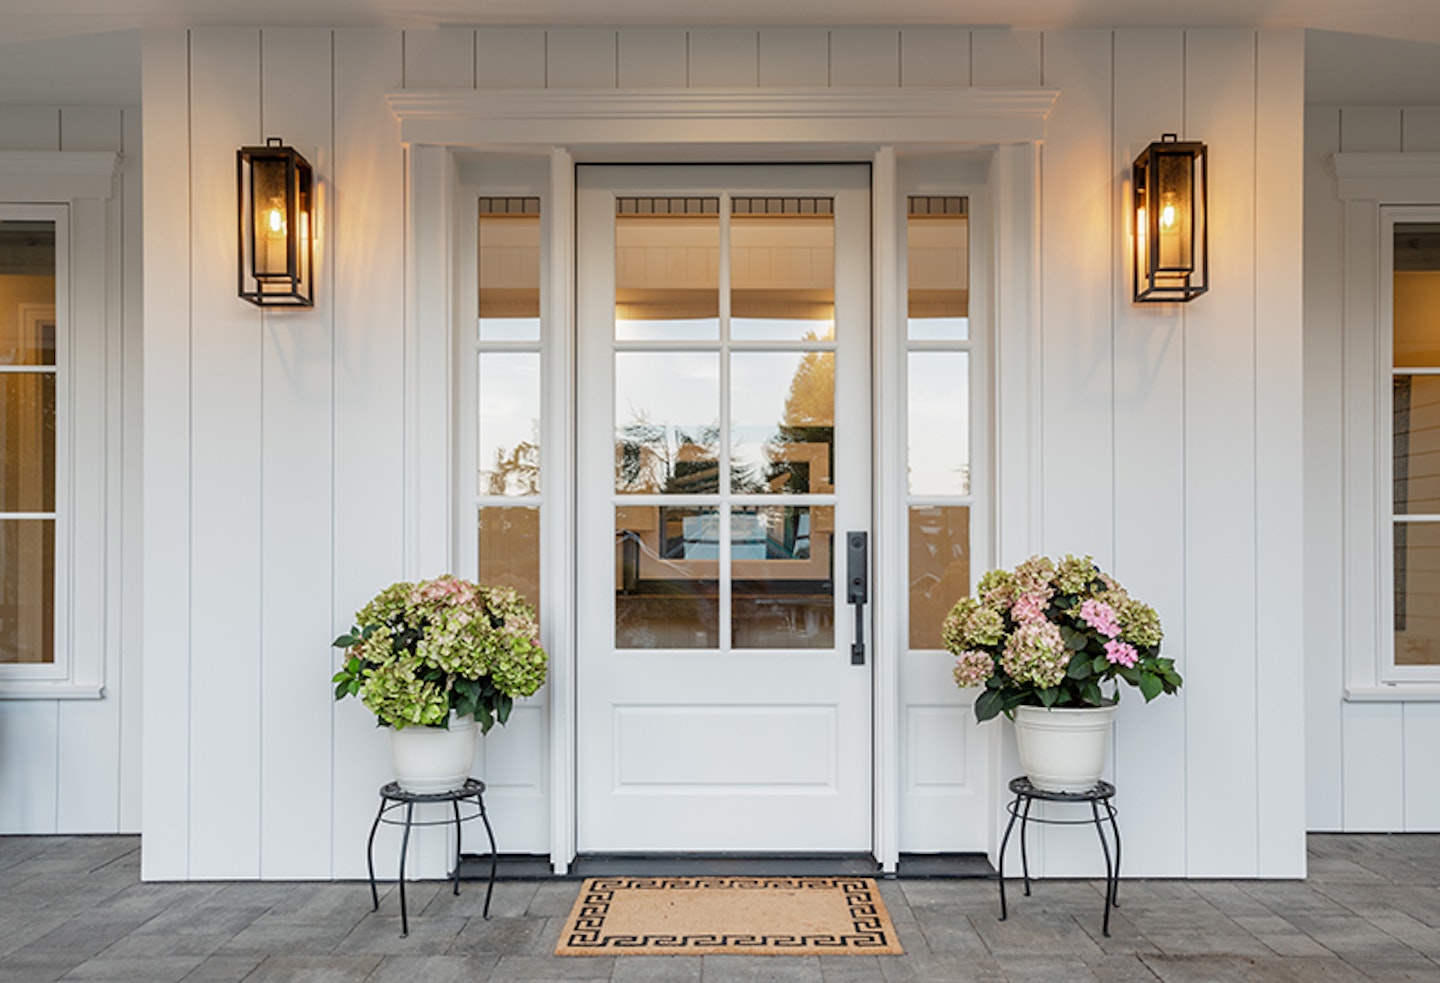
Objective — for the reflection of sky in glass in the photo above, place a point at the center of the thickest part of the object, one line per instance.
(759, 387)
(509, 417)
(509, 329)
(939, 423)
(676, 391)
(938, 328)
(680, 329)
(780, 329)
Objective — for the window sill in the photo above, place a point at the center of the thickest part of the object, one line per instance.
(1417, 692)
(45, 690)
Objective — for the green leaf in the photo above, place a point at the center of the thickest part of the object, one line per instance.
(1090, 692)
(989, 704)
(503, 707)
(343, 642)
(1075, 641)
(1150, 686)
(1049, 696)
(1080, 668)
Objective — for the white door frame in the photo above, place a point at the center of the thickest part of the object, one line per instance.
(731, 126)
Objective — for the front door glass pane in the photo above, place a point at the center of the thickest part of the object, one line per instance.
(509, 547)
(782, 263)
(27, 591)
(509, 423)
(782, 587)
(509, 267)
(937, 261)
(782, 411)
(667, 577)
(667, 422)
(667, 269)
(939, 568)
(939, 422)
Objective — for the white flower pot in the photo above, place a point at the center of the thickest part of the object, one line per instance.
(1063, 750)
(433, 759)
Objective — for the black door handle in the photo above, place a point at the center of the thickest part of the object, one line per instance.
(857, 588)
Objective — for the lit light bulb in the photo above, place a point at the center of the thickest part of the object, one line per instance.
(275, 220)
(1167, 217)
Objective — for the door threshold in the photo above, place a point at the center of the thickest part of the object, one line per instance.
(916, 866)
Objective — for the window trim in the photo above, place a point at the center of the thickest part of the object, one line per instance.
(72, 188)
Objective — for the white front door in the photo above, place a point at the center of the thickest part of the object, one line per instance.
(724, 436)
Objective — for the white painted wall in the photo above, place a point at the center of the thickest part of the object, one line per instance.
(1170, 437)
(73, 766)
(1368, 764)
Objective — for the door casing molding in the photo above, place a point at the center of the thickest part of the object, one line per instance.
(872, 125)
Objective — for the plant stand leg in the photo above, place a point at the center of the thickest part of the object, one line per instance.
(370, 857)
(404, 849)
(1004, 841)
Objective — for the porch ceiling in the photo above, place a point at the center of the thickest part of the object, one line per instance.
(1417, 20)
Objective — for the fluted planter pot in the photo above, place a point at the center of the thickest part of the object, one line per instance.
(1063, 750)
(433, 759)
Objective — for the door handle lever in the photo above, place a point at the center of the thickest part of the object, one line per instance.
(857, 588)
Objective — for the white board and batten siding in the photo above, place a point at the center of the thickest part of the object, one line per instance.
(1369, 764)
(1168, 436)
(73, 765)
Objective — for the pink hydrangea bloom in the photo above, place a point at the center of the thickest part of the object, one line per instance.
(1029, 608)
(1121, 653)
(1101, 617)
(973, 668)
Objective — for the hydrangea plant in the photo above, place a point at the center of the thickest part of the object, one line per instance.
(421, 650)
(1050, 634)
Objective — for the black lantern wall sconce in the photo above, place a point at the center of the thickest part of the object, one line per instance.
(275, 190)
(1172, 253)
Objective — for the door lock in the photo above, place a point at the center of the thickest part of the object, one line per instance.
(857, 588)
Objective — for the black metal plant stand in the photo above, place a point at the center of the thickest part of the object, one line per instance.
(1100, 796)
(392, 797)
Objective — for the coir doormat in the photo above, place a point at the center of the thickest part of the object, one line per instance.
(769, 916)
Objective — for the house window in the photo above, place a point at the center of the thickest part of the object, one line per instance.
(1414, 500)
(938, 366)
(508, 383)
(32, 427)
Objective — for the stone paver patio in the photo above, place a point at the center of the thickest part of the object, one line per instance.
(74, 908)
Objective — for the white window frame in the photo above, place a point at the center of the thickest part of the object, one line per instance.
(72, 188)
(1392, 673)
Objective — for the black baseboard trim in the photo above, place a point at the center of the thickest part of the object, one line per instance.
(917, 866)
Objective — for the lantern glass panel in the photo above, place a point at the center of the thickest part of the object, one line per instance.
(1174, 203)
(271, 215)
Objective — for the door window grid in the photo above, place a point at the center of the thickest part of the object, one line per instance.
(703, 529)
(507, 350)
(939, 366)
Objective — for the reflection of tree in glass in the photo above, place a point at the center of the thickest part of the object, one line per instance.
(516, 470)
(809, 418)
(649, 460)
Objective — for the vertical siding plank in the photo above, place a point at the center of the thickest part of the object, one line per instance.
(864, 56)
(88, 745)
(29, 128)
(443, 58)
(1076, 350)
(1149, 93)
(295, 491)
(1220, 470)
(1422, 792)
(1279, 441)
(935, 56)
(1324, 474)
(165, 787)
(1420, 128)
(225, 472)
(1370, 129)
(798, 56)
(1374, 765)
(132, 571)
(510, 58)
(28, 775)
(580, 58)
(652, 58)
(1000, 56)
(368, 256)
(724, 56)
